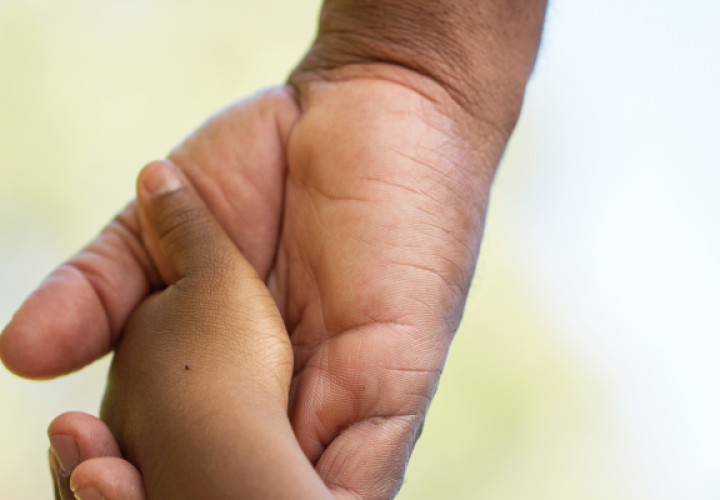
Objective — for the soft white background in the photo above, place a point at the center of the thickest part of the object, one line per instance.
(587, 364)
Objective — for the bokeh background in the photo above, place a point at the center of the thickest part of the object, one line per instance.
(587, 363)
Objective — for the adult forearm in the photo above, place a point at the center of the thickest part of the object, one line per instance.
(480, 51)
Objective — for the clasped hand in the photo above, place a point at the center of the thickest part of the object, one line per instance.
(358, 205)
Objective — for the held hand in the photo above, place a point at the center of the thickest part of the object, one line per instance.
(197, 393)
(384, 198)
(236, 163)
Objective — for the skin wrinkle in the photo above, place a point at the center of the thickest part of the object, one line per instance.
(431, 233)
(476, 51)
(465, 275)
(324, 63)
(469, 252)
(251, 137)
(395, 462)
(337, 378)
(327, 195)
(309, 349)
(184, 329)
(408, 403)
(429, 93)
(448, 175)
(335, 198)
(464, 188)
(330, 333)
(414, 412)
(341, 493)
(450, 283)
(128, 237)
(322, 369)
(393, 185)
(93, 281)
(444, 230)
(317, 71)
(315, 393)
(128, 225)
(321, 390)
(310, 274)
(177, 222)
(408, 420)
(215, 191)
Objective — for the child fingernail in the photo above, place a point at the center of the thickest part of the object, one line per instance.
(91, 493)
(162, 177)
(66, 451)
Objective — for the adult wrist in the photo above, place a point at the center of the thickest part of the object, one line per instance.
(480, 52)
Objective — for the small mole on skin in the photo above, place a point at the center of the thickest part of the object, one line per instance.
(187, 367)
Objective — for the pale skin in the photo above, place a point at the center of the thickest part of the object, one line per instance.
(357, 194)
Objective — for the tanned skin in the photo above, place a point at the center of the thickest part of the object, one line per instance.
(358, 194)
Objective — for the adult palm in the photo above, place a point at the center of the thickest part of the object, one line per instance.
(360, 201)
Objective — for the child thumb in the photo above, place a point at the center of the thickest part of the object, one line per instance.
(178, 224)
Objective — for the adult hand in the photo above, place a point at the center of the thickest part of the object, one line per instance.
(379, 235)
(378, 179)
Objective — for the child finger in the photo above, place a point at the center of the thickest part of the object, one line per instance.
(76, 436)
(189, 237)
(52, 463)
(107, 478)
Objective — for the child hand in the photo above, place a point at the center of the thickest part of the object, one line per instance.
(197, 393)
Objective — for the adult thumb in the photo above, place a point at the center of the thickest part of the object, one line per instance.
(181, 234)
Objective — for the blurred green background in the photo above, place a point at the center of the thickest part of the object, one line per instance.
(558, 386)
